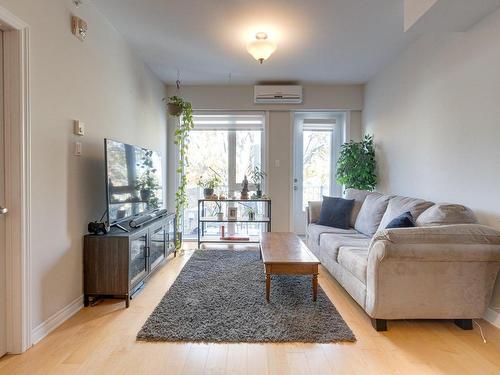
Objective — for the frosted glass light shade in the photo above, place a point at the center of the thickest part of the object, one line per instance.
(261, 48)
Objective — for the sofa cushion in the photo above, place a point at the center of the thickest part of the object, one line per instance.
(331, 243)
(354, 260)
(399, 205)
(446, 214)
(359, 197)
(371, 213)
(314, 231)
(402, 221)
(335, 212)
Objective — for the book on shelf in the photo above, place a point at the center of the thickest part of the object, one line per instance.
(235, 238)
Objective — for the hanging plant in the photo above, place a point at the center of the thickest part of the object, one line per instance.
(181, 140)
(175, 106)
(356, 165)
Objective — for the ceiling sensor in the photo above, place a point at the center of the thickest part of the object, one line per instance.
(77, 2)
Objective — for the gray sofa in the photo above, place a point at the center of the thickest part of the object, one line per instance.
(444, 268)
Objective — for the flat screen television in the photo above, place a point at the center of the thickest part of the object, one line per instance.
(134, 184)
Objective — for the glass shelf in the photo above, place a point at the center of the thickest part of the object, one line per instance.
(207, 220)
(213, 219)
(216, 239)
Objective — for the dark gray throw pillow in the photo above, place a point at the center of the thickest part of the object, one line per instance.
(402, 221)
(336, 212)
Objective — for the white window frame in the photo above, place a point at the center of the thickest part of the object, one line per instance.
(233, 185)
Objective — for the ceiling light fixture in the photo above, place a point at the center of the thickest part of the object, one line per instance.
(261, 48)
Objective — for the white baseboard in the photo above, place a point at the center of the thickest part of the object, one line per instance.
(56, 320)
(492, 316)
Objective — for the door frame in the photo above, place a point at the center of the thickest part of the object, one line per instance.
(17, 120)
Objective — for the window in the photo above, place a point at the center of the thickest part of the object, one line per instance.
(228, 144)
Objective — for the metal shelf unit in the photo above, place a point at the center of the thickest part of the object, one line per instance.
(203, 219)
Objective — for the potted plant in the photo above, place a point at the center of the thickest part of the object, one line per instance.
(186, 124)
(356, 165)
(249, 211)
(219, 214)
(251, 214)
(175, 106)
(208, 185)
(257, 176)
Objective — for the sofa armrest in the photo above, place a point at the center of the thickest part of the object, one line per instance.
(462, 242)
(456, 233)
(431, 275)
(427, 281)
(387, 251)
(312, 211)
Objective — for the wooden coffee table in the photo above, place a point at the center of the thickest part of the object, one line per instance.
(285, 254)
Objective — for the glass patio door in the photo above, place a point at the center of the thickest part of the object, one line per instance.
(317, 139)
(227, 144)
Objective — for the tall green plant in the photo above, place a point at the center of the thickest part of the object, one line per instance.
(356, 165)
(181, 140)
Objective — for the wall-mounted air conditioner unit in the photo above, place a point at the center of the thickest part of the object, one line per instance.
(272, 94)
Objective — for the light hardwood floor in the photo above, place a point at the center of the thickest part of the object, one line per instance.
(101, 340)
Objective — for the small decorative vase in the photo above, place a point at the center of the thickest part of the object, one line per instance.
(251, 216)
(259, 194)
(174, 109)
(220, 216)
(208, 193)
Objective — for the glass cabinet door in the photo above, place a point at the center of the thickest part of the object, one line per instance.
(138, 258)
(157, 247)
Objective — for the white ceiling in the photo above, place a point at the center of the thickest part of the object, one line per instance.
(319, 41)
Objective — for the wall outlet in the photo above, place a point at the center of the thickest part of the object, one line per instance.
(277, 163)
(78, 128)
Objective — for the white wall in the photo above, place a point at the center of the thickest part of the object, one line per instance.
(435, 115)
(103, 84)
(280, 133)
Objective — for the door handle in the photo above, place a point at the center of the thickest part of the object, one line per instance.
(3, 210)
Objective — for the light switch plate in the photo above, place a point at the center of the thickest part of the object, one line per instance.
(78, 148)
(79, 128)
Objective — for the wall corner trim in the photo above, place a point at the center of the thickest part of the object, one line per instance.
(46, 327)
(492, 316)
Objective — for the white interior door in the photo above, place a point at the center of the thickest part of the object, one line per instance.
(2, 215)
(317, 139)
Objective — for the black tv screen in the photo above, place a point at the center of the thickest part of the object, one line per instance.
(133, 180)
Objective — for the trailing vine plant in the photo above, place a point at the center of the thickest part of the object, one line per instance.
(356, 165)
(181, 140)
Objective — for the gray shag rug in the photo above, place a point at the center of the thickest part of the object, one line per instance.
(219, 296)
